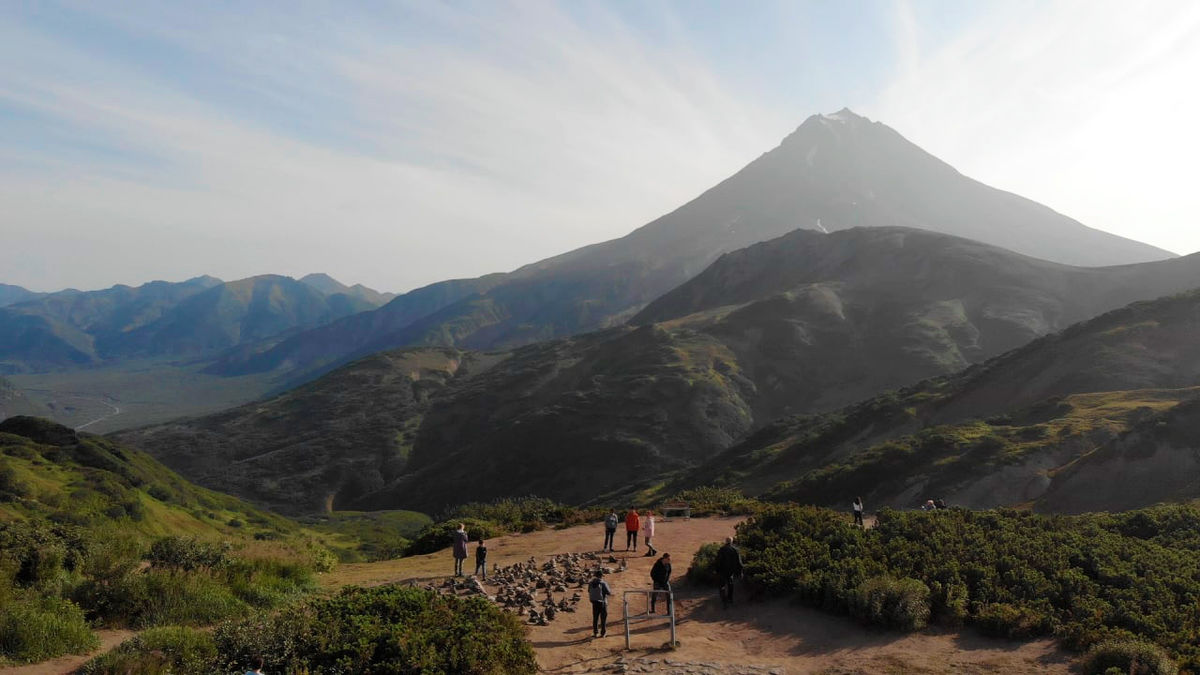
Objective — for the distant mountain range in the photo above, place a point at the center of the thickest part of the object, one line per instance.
(805, 323)
(834, 172)
(200, 316)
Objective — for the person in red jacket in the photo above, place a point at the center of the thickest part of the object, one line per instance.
(632, 525)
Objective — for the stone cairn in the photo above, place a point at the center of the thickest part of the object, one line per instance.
(529, 589)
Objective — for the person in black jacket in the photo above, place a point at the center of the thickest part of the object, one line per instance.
(660, 574)
(729, 567)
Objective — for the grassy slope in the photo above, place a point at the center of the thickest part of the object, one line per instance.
(316, 447)
(932, 439)
(97, 483)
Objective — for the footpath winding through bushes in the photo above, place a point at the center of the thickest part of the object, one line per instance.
(1124, 585)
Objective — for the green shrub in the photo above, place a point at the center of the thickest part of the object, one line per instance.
(703, 568)
(1013, 622)
(1139, 658)
(716, 501)
(440, 535)
(1084, 579)
(187, 553)
(902, 604)
(385, 629)
(35, 628)
(169, 649)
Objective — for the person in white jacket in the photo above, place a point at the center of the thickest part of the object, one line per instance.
(648, 533)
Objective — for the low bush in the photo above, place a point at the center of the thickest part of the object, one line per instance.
(703, 568)
(1131, 656)
(902, 604)
(35, 627)
(169, 649)
(717, 501)
(1013, 622)
(185, 553)
(386, 629)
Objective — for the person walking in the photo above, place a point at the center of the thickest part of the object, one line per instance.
(632, 525)
(729, 567)
(598, 592)
(660, 575)
(481, 559)
(648, 533)
(857, 506)
(460, 549)
(610, 530)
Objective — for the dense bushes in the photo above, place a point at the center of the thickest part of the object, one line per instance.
(1129, 656)
(716, 501)
(440, 535)
(895, 603)
(1086, 579)
(34, 627)
(503, 516)
(386, 629)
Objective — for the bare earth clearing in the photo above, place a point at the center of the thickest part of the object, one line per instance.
(774, 635)
(65, 664)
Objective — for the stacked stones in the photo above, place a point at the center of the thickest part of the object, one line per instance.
(529, 589)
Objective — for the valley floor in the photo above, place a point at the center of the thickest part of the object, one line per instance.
(764, 636)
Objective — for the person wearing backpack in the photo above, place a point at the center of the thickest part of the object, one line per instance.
(598, 592)
(610, 530)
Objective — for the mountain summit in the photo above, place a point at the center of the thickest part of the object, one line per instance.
(834, 172)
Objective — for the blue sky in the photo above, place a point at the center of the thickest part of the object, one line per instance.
(400, 143)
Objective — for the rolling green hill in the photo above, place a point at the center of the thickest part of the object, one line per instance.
(48, 472)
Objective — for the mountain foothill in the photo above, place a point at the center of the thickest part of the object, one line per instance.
(845, 315)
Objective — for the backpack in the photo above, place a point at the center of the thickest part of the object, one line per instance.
(596, 590)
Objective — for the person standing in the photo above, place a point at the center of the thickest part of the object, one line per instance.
(610, 530)
(660, 575)
(648, 533)
(729, 567)
(460, 549)
(481, 559)
(632, 525)
(598, 592)
(857, 506)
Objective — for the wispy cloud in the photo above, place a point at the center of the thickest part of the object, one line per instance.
(1087, 106)
(519, 134)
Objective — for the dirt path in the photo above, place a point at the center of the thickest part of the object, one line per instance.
(771, 636)
(66, 664)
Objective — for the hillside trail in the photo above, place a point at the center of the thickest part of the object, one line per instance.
(109, 639)
(760, 636)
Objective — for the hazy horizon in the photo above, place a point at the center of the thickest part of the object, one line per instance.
(402, 145)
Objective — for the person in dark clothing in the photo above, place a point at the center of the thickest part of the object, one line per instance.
(598, 592)
(481, 559)
(660, 574)
(940, 503)
(729, 567)
(857, 507)
(610, 530)
(460, 548)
